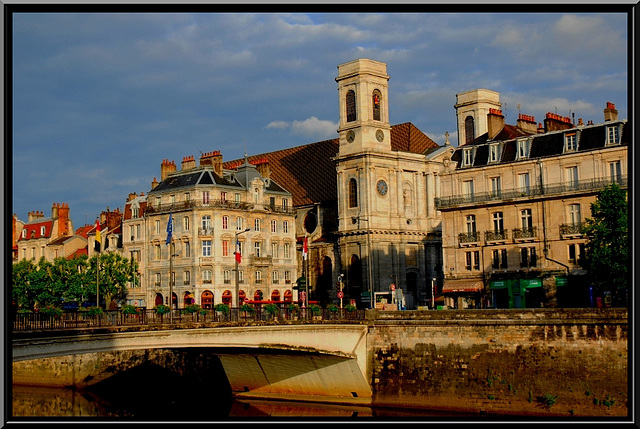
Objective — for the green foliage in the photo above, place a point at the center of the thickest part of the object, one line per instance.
(94, 311)
(548, 400)
(194, 308)
(129, 309)
(333, 308)
(530, 396)
(247, 308)
(162, 309)
(315, 309)
(271, 309)
(606, 256)
(52, 311)
(609, 401)
(294, 308)
(350, 308)
(222, 308)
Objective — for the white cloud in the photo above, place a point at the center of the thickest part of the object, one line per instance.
(278, 125)
(314, 127)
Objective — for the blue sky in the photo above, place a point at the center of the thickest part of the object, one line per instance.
(100, 99)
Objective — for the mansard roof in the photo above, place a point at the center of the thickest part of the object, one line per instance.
(34, 229)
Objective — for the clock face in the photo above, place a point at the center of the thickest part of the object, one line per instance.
(382, 187)
(380, 135)
(351, 135)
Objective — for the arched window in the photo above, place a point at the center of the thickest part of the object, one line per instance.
(275, 295)
(206, 299)
(376, 99)
(288, 296)
(469, 129)
(353, 193)
(226, 297)
(351, 106)
(257, 296)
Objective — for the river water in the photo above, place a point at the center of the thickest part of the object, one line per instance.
(141, 404)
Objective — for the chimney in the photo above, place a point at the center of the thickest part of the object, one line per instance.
(217, 163)
(167, 167)
(29, 216)
(63, 219)
(154, 184)
(188, 162)
(555, 122)
(132, 196)
(580, 122)
(495, 122)
(527, 123)
(262, 165)
(54, 211)
(540, 128)
(610, 112)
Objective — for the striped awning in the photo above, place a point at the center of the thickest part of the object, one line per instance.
(462, 285)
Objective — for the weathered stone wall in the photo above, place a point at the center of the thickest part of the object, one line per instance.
(550, 362)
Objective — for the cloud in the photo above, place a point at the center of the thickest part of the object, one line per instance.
(311, 127)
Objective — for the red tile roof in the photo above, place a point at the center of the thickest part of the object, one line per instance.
(79, 253)
(309, 172)
(83, 231)
(34, 230)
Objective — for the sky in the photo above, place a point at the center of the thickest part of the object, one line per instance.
(100, 99)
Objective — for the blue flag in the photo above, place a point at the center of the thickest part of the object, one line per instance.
(169, 228)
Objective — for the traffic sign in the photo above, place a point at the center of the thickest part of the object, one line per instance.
(340, 294)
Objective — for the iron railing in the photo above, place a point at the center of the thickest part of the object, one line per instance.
(592, 185)
(520, 233)
(570, 229)
(232, 205)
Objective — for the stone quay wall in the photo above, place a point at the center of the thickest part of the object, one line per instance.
(555, 362)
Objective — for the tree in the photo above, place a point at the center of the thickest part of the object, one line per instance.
(606, 256)
(115, 273)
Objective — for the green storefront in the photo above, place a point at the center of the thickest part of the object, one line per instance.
(516, 293)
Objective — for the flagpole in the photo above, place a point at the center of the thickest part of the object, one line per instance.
(305, 249)
(171, 281)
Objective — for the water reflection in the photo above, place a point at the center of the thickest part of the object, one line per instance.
(57, 402)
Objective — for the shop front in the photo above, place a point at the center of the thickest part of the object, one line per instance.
(463, 293)
(517, 293)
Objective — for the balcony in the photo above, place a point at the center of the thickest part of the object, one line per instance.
(260, 260)
(555, 189)
(525, 234)
(468, 238)
(570, 230)
(205, 231)
(495, 237)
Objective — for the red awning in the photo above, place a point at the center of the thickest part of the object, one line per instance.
(462, 285)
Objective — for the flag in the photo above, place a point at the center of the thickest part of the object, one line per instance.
(305, 248)
(169, 228)
(237, 252)
(98, 238)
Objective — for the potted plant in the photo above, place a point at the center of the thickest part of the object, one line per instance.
(222, 308)
(129, 309)
(247, 308)
(350, 310)
(294, 311)
(333, 309)
(272, 310)
(315, 310)
(94, 311)
(162, 310)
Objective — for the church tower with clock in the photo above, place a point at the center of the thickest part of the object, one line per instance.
(385, 218)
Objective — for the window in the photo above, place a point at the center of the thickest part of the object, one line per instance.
(274, 250)
(240, 276)
(158, 279)
(495, 259)
(187, 249)
(495, 186)
(503, 258)
(524, 183)
(467, 157)
(187, 197)
(206, 276)
(275, 278)
(571, 174)
(225, 247)
(206, 224)
(239, 224)
(351, 105)
(205, 198)
(132, 229)
(476, 260)
(185, 223)
(353, 193)
(257, 224)
(158, 202)
(157, 252)
(287, 277)
(137, 231)
(570, 142)
(467, 188)
(576, 252)
(256, 195)
(287, 250)
(525, 219)
(225, 222)
(135, 212)
(527, 257)
(24, 233)
(186, 278)
(615, 171)
(472, 260)
(42, 229)
(494, 154)
(172, 199)
(223, 197)
(239, 247)
(272, 203)
(236, 197)
(258, 277)
(498, 223)
(274, 226)
(469, 129)
(256, 249)
(613, 135)
(376, 99)
(523, 149)
(574, 214)
(157, 227)
(285, 227)
(471, 224)
(285, 204)
(226, 275)
(206, 247)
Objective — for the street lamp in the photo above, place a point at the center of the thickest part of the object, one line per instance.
(237, 296)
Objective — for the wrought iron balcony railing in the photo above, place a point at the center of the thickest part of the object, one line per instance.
(191, 204)
(570, 229)
(583, 186)
(522, 233)
(496, 235)
(468, 237)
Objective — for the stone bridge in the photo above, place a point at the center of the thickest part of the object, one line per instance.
(504, 361)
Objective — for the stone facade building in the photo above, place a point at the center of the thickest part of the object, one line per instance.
(513, 200)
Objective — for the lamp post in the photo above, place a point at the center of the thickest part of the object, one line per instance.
(237, 296)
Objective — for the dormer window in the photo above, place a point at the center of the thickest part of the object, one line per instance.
(24, 233)
(467, 157)
(523, 149)
(570, 142)
(42, 230)
(613, 135)
(494, 152)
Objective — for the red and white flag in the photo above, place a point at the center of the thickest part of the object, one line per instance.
(237, 252)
